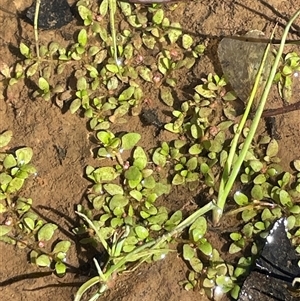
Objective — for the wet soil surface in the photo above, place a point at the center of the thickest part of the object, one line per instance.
(62, 148)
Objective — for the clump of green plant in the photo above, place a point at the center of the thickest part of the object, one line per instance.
(110, 71)
(110, 67)
(288, 71)
(20, 225)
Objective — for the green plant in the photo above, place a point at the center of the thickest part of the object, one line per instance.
(284, 77)
(109, 64)
(22, 226)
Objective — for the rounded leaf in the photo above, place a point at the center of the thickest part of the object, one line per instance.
(188, 252)
(46, 232)
(257, 192)
(140, 158)
(129, 140)
(166, 96)
(62, 246)
(75, 105)
(126, 94)
(240, 198)
(187, 41)
(82, 37)
(5, 138)
(118, 200)
(60, 268)
(9, 161)
(272, 148)
(43, 84)
(104, 174)
(141, 232)
(24, 155)
(4, 230)
(15, 185)
(43, 261)
(196, 264)
(113, 189)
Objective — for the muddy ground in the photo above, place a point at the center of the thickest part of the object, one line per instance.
(60, 185)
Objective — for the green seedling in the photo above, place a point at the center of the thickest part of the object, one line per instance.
(288, 72)
(23, 227)
(218, 278)
(113, 147)
(138, 254)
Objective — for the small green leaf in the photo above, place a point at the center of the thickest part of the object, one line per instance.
(145, 73)
(43, 84)
(272, 149)
(148, 41)
(136, 195)
(4, 230)
(15, 185)
(149, 182)
(32, 69)
(103, 8)
(126, 94)
(206, 248)
(174, 32)
(140, 158)
(158, 158)
(104, 174)
(201, 225)
(257, 192)
(129, 140)
(240, 198)
(82, 37)
(133, 173)
(178, 180)
(234, 248)
(118, 200)
(285, 198)
(125, 8)
(9, 161)
(195, 149)
(84, 12)
(188, 252)
(113, 189)
(158, 16)
(29, 223)
(141, 232)
(296, 163)
(43, 261)
(166, 96)
(24, 155)
(75, 105)
(81, 84)
(62, 246)
(247, 215)
(5, 178)
(46, 232)
(24, 50)
(5, 138)
(196, 264)
(187, 41)
(260, 179)
(60, 268)
(112, 68)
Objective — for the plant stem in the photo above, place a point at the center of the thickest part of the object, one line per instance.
(35, 25)
(112, 11)
(223, 193)
(222, 196)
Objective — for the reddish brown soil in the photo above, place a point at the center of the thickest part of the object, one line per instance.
(60, 186)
